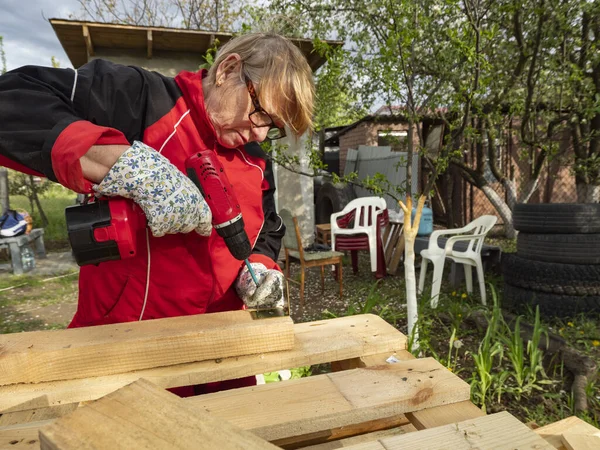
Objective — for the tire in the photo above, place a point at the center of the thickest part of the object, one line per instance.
(552, 218)
(551, 305)
(560, 248)
(332, 198)
(551, 278)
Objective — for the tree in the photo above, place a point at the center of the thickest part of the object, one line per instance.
(389, 53)
(215, 15)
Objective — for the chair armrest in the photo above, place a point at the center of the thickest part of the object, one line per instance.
(465, 237)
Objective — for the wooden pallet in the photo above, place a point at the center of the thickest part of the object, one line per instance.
(377, 396)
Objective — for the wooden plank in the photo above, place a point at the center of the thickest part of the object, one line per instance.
(315, 343)
(553, 431)
(371, 360)
(88, 41)
(144, 416)
(499, 431)
(35, 415)
(397, 256)
(580, 442)
(443, 415)
(109, 349)
(22, 436)
(288, 412)
(368, 437)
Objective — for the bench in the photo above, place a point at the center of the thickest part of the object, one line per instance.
(16, 244)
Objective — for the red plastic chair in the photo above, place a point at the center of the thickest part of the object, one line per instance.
(359, 227)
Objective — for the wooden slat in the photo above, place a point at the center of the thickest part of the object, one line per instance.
(499, 431)
(368, 437)
(580, 442)
(35, 415)
(286, 413)
(552, 432)
(315, 343)
(109, 349)
(370, 361)
(22, 436)
(144, 416)
(443, 415)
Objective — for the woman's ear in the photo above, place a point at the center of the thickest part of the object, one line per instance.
(230, 66)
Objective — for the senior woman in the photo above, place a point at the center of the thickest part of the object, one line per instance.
(123, 131)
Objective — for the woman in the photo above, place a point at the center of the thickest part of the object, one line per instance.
(123, 131)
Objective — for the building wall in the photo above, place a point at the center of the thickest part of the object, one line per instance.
(365, 133)
(166, 63)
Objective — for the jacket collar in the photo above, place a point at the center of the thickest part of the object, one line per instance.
(190, 84)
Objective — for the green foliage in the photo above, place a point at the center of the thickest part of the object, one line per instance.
(490, 351)
(371, 301)
(54, 202)
(209, 57)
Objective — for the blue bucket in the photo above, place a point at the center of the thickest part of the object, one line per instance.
(426, 224)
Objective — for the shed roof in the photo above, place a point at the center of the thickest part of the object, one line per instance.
(80, 39)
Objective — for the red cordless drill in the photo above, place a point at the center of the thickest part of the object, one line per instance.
(106, 229)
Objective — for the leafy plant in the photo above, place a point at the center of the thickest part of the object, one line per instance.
(489, 350)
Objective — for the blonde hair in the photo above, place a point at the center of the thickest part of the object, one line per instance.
(280, 73)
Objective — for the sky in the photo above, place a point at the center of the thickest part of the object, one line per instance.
(28, 37)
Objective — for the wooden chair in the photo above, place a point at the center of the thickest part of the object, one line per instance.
(295, 250)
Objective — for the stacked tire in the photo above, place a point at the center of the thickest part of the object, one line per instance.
(557, 264)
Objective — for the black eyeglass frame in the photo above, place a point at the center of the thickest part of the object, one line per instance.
(274, 132)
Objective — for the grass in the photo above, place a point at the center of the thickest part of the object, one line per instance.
(54, 202)
(31, 303)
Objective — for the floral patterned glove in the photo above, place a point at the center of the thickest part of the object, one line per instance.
(268, 294)
(170, 200)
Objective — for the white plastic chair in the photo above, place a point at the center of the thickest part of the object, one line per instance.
(474, 233)
(364, 221)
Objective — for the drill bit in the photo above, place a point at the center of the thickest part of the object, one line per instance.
(251, 270)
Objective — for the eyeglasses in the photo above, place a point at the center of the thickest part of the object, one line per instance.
(259, 117)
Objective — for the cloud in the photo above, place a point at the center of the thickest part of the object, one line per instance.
(28, 36)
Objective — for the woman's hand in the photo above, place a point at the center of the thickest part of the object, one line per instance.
(170, 200)
(269, 292)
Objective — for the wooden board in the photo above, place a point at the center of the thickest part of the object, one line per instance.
(35, 415)
(368, 437)
(500, 431)
(144, 416)
(109, 349)
(443, 415)
(288, 412)
(315, 343)
(580, 441)
(22, 436)
(553, 432)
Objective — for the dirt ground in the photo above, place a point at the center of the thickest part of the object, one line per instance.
(46, 297)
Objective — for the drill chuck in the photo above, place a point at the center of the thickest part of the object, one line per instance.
(235, 237)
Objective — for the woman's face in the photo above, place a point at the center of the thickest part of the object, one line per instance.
(229, 105)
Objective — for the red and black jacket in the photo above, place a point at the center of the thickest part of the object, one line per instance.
(49, 118)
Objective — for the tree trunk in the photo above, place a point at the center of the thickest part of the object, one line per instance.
(410, 233)
(4, 199)
(38, 203)
(502, 208)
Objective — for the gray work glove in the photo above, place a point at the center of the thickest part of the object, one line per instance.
(268, 294)
(170, 200)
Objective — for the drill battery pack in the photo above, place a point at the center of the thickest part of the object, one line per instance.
(103, 230)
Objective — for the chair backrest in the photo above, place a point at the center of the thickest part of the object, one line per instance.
(291, 239)
(361, 213)
(482, 225)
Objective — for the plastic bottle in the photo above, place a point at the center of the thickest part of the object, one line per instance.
(27, 258)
